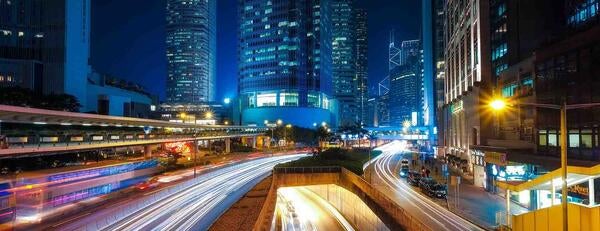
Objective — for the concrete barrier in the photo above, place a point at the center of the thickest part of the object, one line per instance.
(390, 213)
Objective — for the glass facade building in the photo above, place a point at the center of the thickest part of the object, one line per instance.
(362, 74)
(285, 61)
(191, 51)
(345, 82)
(406, 95)
(33, 46)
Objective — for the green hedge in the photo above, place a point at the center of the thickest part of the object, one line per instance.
(352, 160)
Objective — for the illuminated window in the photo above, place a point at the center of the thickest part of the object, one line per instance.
(573, 139)
(509, 90)
(542, 138)
(552, 139)
(313, 100)
(266, 100)
(586, 138)
(288, 99)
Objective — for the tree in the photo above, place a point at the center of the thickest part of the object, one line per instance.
(22, 97)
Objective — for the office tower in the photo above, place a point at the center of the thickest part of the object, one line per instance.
(394, 52)
(345, 84)
(362, 74)
(406, 86)
(191, 51)
(467, 79)
(432, 30)
(406, 94)
(285, 62)
(45, 46)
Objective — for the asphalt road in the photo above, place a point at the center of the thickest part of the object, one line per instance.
(300, 209)
(384, 176)
(194, 207)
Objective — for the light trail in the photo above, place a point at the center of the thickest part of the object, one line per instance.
(419, 206)
(301, 209)
(200, 202)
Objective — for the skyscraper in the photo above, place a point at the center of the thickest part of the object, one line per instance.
(467, 79)
(406, 98)
(285, 61)
(45, 46)
(191, 51)
(394, 52)
(432, 31)
(362, 74)
(345, 82)
(406, 94)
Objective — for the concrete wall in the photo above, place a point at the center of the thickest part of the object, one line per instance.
(547, 219)
(390, 213)
(350, 206)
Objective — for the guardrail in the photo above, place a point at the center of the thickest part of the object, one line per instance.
(396, 215)
(320, 169)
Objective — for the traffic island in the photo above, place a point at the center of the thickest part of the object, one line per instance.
(243, 214)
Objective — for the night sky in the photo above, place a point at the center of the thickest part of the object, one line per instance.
(128, 39)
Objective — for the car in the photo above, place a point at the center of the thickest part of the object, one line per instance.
(413, 178)
(425, 182)
(149, 184)
(437, 191)
(404, 171)
(404, 162)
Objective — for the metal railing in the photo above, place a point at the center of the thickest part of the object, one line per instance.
(302, 170)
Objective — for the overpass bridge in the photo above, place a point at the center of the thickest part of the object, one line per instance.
(411, 133)
(30, 131)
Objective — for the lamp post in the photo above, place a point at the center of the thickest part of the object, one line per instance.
(501, 104)
(285, 133)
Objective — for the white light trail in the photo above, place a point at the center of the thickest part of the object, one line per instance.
(183, 210)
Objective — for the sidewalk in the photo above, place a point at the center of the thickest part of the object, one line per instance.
(471, 202)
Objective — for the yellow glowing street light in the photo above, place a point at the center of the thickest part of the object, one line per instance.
(406, 124)
(279, 122)
(208, 115)
(498, 104)
(226, 122)
(182, 115)
(288, 126)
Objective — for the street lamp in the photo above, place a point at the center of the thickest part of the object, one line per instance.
(279, 122)
(208, 115)
(285, 133)
(182, 116)
(501, 104)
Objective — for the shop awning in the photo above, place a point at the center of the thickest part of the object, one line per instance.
(575, 175)
(527, 156)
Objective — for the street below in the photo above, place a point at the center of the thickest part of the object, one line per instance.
(190, 205)
(383, 175)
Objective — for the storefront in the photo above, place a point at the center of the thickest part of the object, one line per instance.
(479, 176)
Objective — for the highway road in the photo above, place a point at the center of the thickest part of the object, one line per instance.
(384, 175)
(299, 209)
(192, 206)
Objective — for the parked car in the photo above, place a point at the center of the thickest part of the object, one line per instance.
(404, 162)
(425, 182)
(404, 171)
(437, 191)
(413, 178)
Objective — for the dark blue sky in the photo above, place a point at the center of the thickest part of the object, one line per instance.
(128, 39)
